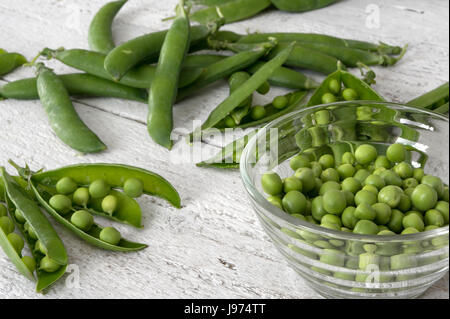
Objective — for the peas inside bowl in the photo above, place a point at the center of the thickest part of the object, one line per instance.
(363, 221)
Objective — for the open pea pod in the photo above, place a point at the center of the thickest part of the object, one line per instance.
(44, 279)
(35, 218)
(92, 236)
(432, 100)
(115, 175)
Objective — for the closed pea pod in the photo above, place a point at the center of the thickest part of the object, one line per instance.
(164, 89)
(63, 118)
(301, 5)
(100, 35)
(10, 61)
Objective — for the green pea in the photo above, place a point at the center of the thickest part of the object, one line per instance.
(280, 102)
(317, 209)
(299, 216)
(382, 162)
(61, 203)
(327, 186)
(327, 161)
(396, 153)
(434, 217)
(418, 174)
(404, 170)
(82, 220)
(30, 231)
(333, 257)
(334, 202)
(408, 192)
(39, 247)
(424, 197)
(410, 183)
(264, 88)
(434, 182)
(391, 178)
(365, 227)
(330, 226)
(330, 174)
(349, 197)
(348, 158)
(385, 232)
(345, 229)
(328, 98)
(403, 261)
(3, 211)
(364, 196)
(366, 154)
(7, 225)
(396, 222)
(316, 168)
(110, 204)
(133, 187)
(390, 195)
(370, 188)
(349, 94)
(405, 203)
(81, 196)
(364, 113)
(413, 221)
(412, 212)
(99, 188)
(19, 216)
(351, 184)
(110, 235)
(365, 211)
(346, 171)
(229, 122)
(331, 219)
(294, 202)
(375, 180)
(368, 259)
(443, 207)
(445, 196)
(431, 227)
(30, 263)
(318, 185)
(383, 227)
(299, 161)
(17, 242)
(334, 86)
(378, 171)
(275, 201)
(258, 112)
(383, 213)
(410, 230)
(361, 175)
(48, 265)
(348, 217)
(271, 183)
(322, 117)
(66, 186)
(306, 176)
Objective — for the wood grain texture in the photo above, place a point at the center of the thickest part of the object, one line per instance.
(214, 246)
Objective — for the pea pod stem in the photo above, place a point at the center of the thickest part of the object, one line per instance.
(100, 35)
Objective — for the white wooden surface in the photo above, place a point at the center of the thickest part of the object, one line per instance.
(213, 247)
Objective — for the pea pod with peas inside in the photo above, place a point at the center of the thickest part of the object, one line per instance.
(10, 61)
(93, 63)
(235, 81)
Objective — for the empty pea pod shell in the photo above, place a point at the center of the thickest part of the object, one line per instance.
(115, 175)
(37, 221)
(10, 61)
(92, 236)
(301, 5)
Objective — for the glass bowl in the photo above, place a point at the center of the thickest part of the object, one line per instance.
(345, 265)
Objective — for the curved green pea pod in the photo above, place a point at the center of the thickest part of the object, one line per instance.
(230, 11)
(92, 236)
(301, 5)
(201, 61)
(77, 84)
(432, 100)
(44, 279)
(114, 174)
(10, 61)
(37, 221)
(2, 51)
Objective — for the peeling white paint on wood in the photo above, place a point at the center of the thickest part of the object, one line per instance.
(213, 246)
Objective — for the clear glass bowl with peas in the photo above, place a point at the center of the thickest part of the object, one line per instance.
(355, 196)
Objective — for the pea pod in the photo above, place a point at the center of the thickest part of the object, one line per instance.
(208, 3)
(238, 96)
(164, 89)
(100, 35)
(76, 84)
(34, 217)
(92, 236)
(63, 118)
(2, 51)
(44, 279)
(10, 61)
(126, 56)
(432, 100)
(235, 81)
(314, 38)
(114, 174)
(93, 63)
(225, 68)
(231, 11)
(301, 5)
(202, 61)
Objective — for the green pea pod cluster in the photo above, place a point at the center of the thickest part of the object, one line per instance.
(10, 61)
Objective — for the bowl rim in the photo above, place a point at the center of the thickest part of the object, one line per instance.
(258, 197)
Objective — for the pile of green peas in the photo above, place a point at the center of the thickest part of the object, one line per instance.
(46, 264)
(367, 194)
(74, 200)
